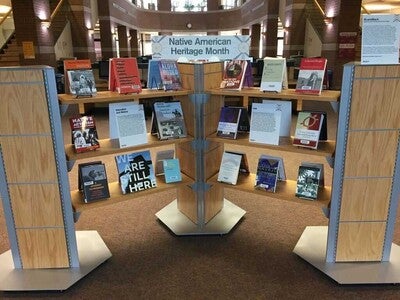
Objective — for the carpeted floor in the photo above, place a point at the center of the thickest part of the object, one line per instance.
(254, 261)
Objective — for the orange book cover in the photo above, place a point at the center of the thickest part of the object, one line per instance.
(124, 75)
(74, 64)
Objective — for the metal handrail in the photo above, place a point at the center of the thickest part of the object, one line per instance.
(53, 14)
(320, 8)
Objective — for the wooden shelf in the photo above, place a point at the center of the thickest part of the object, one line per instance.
(325, 148)
(285, 190)
(108, 96)
(108, 147)
(116, 195)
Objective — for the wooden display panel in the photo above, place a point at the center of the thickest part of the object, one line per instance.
(187, 202)
(29, 159)
(36, 205)
(213, 201)
(188, 114)
(212, 159)
(365, 199)
(212, 75)
(212, 110)
(186, 72)
(360, 241)
(43, 248)
(371, 153)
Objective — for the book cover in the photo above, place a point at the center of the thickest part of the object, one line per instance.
(308, 129)
(228, 123)
(320, 167)
(229, 167)
(124, 75)
(172, 170)
(285, 107)
(127, 124)
(248, 80)
(265, 124)
(311, 75)
(135, 172)
(267, 174)
(170, 75)
(244, 163)
(170, 120)
(308, 182)
(84, 133)
(80, 182)
(82, 83)
(154, 81)
(160, 157)
(94, 182)
(273, 74)
(233, 74)
(281, 167)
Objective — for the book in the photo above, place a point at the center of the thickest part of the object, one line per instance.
(84, 133)
(169, 119)
(170, 76)
(323, 135)
(285, 107)
(228, 123)
(80, 185)
(160, 157)
(267, 174)
(79, 78)
(308, 182)
(248, 80)
(311, 75)
(127, 124)
(308, 129)
(233, 74)
(274, 75)
(244, 121)
(244, 164)
(320, 166)
(124, 76)
(154, 81)
(264, 124)
(135, 172)
(281, 167)
(229, 168)
(94, 184)
(172, 170)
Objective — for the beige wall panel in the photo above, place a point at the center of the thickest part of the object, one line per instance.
(187, 202)
(21, 76)
(372, 98)
(43, 248)
(214, 201)
(365, 199)
(376, 71)
(371, 153)
(36, 205)
(23, 110)
(29, 159)
(360, 241)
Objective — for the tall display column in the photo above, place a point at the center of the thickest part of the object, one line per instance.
(366, 182)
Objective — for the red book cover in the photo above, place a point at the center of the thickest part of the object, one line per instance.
(170, 75)
(311, 75)
(124, 75)
(308, 129)
(84, 133)
(234, 73)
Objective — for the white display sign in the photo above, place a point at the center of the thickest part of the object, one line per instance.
(380, 39)
(201, 47)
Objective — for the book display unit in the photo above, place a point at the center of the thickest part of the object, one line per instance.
(48, 254)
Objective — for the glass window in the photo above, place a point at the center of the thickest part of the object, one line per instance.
(189, 5)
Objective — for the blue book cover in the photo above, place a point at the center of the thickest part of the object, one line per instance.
(170, 75)
(172, 170)
(267, 174)
(135, 172)
(154, 76)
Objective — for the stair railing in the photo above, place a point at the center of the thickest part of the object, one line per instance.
(47, 22)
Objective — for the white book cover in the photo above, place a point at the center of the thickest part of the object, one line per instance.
(127, 124)
(264, 124)
(274, 75)
(229, 168)
(286, 114)
(170, 120)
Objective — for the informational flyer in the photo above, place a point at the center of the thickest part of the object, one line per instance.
(380, 39)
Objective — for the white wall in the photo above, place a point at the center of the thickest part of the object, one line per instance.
(63, 47)
(312, 43)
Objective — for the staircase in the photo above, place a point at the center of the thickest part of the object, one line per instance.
(313, 14)
(9, 55)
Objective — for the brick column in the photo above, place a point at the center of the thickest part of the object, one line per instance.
(270, 32)
(30, 31)
(134, 42)
(124, 48)
(212, 5)
(81, 22)
(255, 40)
(108, 44)
(294, 24)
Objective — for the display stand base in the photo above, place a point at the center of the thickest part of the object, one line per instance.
(179, 224)
(92, 253)
(312, 248)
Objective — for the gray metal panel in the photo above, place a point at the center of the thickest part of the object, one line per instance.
(12, 236)
(340, 153)
(61, 165)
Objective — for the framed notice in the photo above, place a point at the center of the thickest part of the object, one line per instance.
(28, 49)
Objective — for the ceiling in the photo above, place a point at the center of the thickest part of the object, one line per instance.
(382, 6)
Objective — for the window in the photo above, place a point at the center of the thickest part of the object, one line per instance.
(189, 5)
